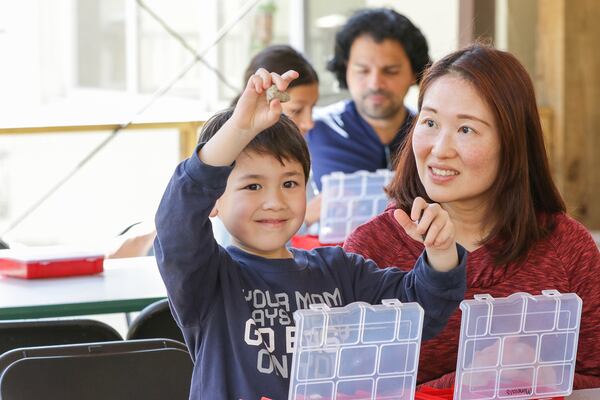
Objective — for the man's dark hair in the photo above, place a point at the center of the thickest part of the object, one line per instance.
(283, 140)
(380, 24)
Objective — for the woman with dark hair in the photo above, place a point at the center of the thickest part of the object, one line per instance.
(476, 148)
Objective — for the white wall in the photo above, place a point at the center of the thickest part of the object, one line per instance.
(36, 51)
(20, 78)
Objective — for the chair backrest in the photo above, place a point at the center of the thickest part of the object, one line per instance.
(139, 369)
(30, 333)
(155, 321)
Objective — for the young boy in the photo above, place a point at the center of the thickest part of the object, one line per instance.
(235, 305)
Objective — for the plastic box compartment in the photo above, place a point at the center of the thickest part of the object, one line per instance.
(360, 351)
(49, 261)
(518, 347)
(349, 200)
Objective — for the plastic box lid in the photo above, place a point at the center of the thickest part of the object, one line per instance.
(359, 351)
(518, 347)
(49, 261)
(349, 200)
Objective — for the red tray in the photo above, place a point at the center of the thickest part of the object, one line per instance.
(49, 262)
(309, 242)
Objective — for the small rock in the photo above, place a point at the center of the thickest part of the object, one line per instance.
(274, 93)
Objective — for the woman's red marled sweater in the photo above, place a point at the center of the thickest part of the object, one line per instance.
(568, 260)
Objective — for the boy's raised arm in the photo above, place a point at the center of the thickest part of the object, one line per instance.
(189, 258)
(252, 115)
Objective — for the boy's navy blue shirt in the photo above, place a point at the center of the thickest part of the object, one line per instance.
(235, 309)
(342, 140)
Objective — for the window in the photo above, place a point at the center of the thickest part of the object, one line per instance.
(323, 19)
(121, 45)
(94, 61)
(101, 53)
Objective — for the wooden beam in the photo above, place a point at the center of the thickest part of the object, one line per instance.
(568, 82)
(80, 128)
(188, 138)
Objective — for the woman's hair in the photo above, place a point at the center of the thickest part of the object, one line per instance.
(380, 24)
(283, 140)
(523, 194)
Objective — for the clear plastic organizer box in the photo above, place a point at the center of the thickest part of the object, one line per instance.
(518, 347)
(360, 351)
(349, 200)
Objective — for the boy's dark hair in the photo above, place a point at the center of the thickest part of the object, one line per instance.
(380, 24)
(283, 140)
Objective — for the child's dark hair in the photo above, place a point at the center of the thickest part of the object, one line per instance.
(283, 140)
(380, 24)
(280, 58)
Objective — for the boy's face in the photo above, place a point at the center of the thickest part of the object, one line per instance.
(264, 204)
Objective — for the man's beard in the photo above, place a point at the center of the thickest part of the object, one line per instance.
(383, 111)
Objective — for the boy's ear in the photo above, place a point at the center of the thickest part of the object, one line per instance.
(215, 211)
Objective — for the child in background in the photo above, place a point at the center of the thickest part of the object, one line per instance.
(303, 91)
(235, 305)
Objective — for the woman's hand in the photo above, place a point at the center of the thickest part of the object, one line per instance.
(253, 113)
(431, 225)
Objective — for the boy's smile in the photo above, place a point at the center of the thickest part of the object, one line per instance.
(264, 204)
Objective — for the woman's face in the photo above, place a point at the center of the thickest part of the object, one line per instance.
(302, 100)
(456, 143)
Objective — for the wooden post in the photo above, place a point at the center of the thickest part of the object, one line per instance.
(188, 138)
(567, 81)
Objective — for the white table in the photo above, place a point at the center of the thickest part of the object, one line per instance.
(126, 285)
